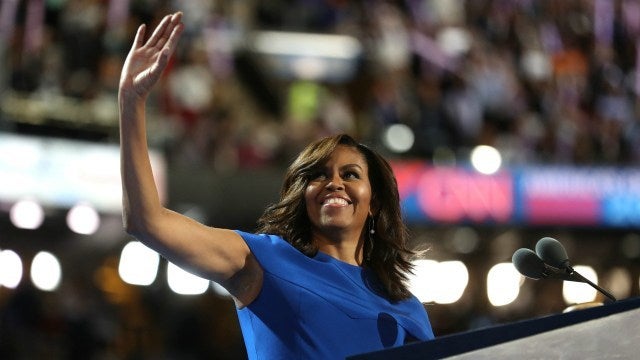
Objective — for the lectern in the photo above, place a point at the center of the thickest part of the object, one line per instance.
(603, 332)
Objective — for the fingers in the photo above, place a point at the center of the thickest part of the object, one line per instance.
(173, 37)
(139, 39)
(159, 30)
(173, 31)
(164, 30)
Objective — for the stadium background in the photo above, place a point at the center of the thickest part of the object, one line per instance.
(552, 86)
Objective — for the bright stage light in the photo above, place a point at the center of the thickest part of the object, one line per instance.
(185, 283)
(453, 280)
(440, 282)
(486, 159)
(138, 264)
(422, 283)
(10, 269)
(503, 284)
(83, 219)
(26, 214)
(46, 272)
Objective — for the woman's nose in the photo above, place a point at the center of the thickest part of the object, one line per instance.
(335, 183)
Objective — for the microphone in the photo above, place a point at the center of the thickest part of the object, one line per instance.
(552, 252)
(530, 265)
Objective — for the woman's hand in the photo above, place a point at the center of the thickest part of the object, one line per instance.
(147, 60)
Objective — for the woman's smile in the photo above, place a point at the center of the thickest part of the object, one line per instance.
(334, 201)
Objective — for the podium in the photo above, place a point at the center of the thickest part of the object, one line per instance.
(607, 331)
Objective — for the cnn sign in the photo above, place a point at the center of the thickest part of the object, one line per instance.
(445, 194)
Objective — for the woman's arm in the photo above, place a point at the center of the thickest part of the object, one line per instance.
(220, 255)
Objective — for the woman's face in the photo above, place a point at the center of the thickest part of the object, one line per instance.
(338, 197)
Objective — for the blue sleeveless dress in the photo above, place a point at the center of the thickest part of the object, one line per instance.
(321, 308)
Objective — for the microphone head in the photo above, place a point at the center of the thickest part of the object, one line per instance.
(528, 263)
(552, 252)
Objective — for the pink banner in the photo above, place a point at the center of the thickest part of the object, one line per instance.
(563, 210)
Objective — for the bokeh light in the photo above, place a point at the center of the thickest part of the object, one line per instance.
(185, 283)
(486, 159)
(503, 284)
(399, 138)
(27, 214)
(441, 282)
(83, 219)
(46, 272)
(138, 264)
(10, 269)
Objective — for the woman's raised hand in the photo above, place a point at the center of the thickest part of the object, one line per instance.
(148, 59)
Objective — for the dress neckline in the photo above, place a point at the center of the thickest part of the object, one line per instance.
(324, 257)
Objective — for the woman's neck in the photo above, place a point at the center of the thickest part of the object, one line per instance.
(343, 249)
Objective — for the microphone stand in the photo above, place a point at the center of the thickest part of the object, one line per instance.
(572, 272)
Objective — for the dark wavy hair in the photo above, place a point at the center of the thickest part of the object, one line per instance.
(389, 257)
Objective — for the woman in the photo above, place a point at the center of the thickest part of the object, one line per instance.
(324, 279)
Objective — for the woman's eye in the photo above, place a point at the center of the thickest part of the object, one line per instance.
(351, 175)
(318, 176)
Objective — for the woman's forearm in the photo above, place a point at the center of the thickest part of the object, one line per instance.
(140, 200)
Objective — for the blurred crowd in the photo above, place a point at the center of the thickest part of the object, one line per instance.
(542, 81)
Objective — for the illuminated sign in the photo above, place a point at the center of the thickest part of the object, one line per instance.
(567, 196)
(579, 196)
(447, 194)
(455, 195)
(62, 173)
